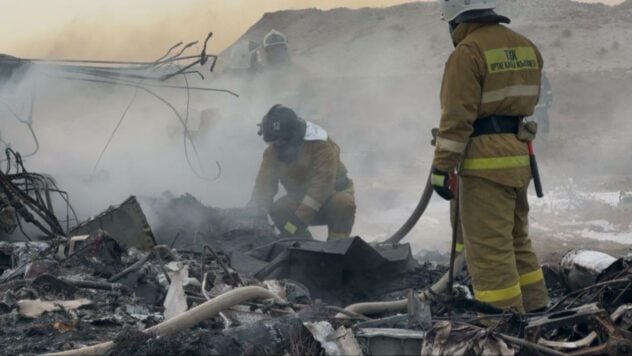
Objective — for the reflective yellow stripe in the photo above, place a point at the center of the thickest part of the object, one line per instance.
(497, 295)
(291, 228)
(459, 248)
(511, 59)
(514, 90)
(496, 163)
(311, 203)
(531, 277)
(437, 180)
(451, 146)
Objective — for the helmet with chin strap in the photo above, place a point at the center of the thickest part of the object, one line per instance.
(282, 125)
(451, 9)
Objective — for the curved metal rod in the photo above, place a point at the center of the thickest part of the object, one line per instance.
(169, 51)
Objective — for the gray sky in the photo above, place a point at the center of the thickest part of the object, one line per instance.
(138, 29)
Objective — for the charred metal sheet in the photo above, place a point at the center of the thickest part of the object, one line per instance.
(339, 271)
(358, 255)
(398, 257)
(126, 223)
(537, 326)
(592, 320)
(186, 224)
(245, 264)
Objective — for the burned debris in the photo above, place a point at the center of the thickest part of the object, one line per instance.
(175, 274)
(230, 286)
(206, 280)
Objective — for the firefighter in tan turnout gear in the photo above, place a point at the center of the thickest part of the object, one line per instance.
(491, 82)
(306, 161)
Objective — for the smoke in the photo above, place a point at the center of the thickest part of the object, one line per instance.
(369, 79)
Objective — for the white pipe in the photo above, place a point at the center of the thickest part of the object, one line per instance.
(395, 306)
(187, 320)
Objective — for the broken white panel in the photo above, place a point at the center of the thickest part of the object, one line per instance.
(34, 308)
(335, 342)
(176, 301)
(448, 339)
(392, 333)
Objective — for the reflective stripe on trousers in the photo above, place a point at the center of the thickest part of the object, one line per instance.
(531, 277)
(498, 295)
(477, 164)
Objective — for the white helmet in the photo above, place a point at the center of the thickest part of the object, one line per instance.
(273, 38)
(450, 9)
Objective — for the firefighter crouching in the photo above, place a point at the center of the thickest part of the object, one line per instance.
(306, 161)
(491, 82)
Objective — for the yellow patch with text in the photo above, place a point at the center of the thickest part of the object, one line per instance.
(511, 59)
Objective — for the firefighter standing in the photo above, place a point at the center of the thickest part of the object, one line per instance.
(275, 49)
(303, 158)
(491, 82)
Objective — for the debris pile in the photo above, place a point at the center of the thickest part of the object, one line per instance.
(220, 281)
(245, 291)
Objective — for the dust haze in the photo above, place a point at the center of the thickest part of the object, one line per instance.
(370, 77)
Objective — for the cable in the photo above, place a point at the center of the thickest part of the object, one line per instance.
(187, 135)
(118, 125)
(145, 85)
(28, 124)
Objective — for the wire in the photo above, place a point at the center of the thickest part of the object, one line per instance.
(146, 85)
(187, 136)
(118, 125)
(175, 111)
(29, 125)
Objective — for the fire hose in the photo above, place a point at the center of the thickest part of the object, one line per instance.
(428, 191)
(399, 305)
(421, 207)
(188, 319)
(415, 216)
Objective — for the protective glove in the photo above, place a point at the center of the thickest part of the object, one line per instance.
(443, 183)
(294, 227)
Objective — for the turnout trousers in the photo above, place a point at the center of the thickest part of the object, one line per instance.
(505, 271)
(338, 213)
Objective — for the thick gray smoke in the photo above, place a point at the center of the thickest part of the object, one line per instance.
(371, 79)
(381, 124)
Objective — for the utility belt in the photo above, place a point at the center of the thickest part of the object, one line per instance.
(497, 124)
